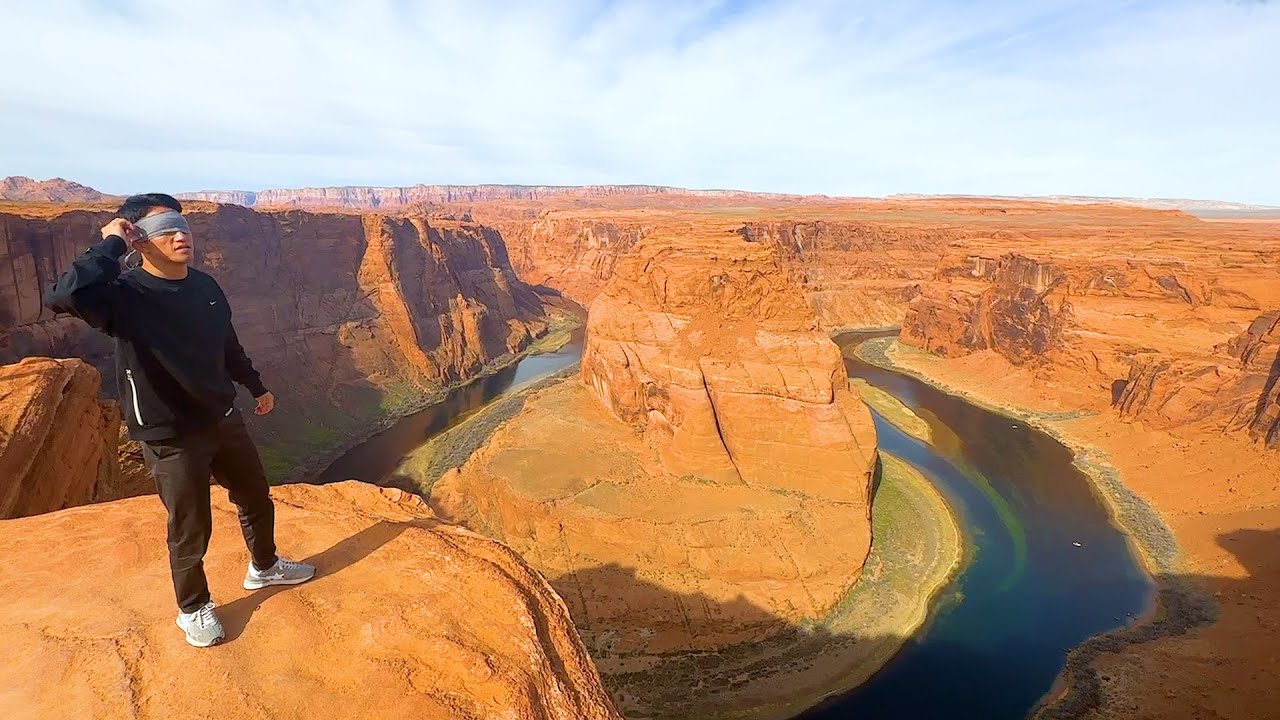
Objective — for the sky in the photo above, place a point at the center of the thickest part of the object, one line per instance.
(1159, 98)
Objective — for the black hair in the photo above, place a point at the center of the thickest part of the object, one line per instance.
(135, 207)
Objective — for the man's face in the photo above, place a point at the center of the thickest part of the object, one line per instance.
(176, 247)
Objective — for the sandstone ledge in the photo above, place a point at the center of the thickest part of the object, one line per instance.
(409, 617)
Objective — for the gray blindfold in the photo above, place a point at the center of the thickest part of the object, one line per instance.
(166, 222)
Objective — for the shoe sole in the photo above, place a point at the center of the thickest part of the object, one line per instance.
(193, 643)
(258, 586)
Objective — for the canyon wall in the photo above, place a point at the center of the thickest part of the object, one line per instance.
(1172, 323)
(408, 617)
(349, 318)
(854, 273)
(372, 198)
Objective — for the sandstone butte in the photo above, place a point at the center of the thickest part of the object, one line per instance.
(349, 318)
(408, 617)
(706, 484)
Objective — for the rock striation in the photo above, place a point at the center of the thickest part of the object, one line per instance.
(408, 617)
(711, 349)
(1170, 333)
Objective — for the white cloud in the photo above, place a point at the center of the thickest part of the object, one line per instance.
(1137, 98)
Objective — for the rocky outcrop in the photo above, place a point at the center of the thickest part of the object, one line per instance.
(1258, 350)
(1144, 313)
(1235, 389)
(855, 273)
(707, 482)
(1022, 313)
(57, 439)
(24, 189)
(408, 617)
(712, 350)
(60, 444)
(348, 317)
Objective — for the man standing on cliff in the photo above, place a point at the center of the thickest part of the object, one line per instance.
(177, 355)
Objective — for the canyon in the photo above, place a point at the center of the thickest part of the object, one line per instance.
(349, 318)
(1146, 339)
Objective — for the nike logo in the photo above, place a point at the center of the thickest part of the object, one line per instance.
(213, 302)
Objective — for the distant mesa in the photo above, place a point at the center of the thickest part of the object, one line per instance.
(24, 189)
(371, 198)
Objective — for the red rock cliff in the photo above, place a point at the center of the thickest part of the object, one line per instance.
(347, 317)
(1156, 314)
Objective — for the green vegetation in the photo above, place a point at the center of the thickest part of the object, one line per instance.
(916, 548)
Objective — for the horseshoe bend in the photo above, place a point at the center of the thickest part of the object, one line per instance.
(705, 517)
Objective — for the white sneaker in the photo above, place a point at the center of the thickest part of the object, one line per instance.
(284, 572)
(202, 626)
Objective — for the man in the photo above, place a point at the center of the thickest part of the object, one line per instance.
(176, 357)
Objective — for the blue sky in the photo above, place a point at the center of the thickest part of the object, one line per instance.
(1154, 99)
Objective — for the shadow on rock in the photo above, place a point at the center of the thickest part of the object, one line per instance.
(667, 655)
(236, 615)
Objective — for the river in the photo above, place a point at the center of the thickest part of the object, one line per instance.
(375, 459)
(1045, 567)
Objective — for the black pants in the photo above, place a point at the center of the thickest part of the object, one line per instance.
(181, 468)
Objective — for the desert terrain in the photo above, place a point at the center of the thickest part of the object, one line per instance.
(705, 481)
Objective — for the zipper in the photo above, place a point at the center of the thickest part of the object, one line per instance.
(137, 411)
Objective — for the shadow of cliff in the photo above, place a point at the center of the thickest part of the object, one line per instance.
(706, 657)
(1230, 665)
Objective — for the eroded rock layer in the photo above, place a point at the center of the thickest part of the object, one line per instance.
(711, 348)
(408, 617)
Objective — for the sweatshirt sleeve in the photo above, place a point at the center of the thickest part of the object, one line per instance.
(88, 290)
(240, 367)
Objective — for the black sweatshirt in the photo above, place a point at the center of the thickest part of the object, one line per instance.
(176, 351)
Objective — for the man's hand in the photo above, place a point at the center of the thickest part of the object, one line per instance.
(265, 404)
(122, 228)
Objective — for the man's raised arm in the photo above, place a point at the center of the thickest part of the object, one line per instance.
(87, 289)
